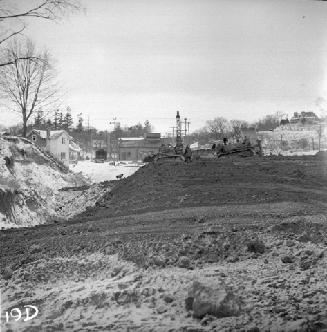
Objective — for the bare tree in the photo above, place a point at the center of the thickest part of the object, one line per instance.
(237, 126)
(269, 122)
(27, 86)
(219, 127)
(13, 20)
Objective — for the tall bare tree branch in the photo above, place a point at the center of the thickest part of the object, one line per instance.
(27, 85)
(46, 9)
(43, 9)
(12, 35)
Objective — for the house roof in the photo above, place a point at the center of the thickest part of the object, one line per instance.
(57, 133)
(41, 133)
(53, 133)
(152, 135)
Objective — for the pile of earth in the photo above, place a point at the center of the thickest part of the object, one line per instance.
(171, 184)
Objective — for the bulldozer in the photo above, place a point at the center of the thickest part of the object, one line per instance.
(242, 149)
(165, 153)
(170, 152)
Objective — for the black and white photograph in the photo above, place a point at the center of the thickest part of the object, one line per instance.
(163, 165)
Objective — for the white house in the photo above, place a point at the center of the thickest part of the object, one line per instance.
(58, 145)
(55, 141)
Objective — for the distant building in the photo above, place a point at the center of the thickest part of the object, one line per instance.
(304, 118)
(39, 138)
(55, 141)
(137, 148)
(129, 148)
(58, 145)
(74, 152)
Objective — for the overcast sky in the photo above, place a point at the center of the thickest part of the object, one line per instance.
(146, 59)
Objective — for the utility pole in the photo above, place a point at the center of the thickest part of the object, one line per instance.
(173, 128)
(188, 132)
(90, 133)
(185, 128)
(114, 152)
(107, 142)
(173, 136)
(91, 144)
(179, 141)
(319, 137)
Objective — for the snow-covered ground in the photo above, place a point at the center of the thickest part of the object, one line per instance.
(99, 172)
(300, 153)
(289, 153)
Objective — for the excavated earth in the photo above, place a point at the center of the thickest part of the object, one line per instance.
(255, 227)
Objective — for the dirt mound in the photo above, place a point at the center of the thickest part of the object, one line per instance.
(321, 155)
(160, 186)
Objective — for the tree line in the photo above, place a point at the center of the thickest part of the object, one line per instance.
(220, 127)
(63, 120)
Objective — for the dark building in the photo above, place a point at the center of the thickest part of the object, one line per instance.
(137, 148)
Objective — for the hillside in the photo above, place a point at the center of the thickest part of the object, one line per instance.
(30, 181)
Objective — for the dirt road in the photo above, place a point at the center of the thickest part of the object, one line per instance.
(256, 227)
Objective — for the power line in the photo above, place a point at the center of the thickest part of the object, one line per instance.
(147, 118)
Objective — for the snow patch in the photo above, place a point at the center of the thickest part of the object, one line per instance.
(99, 172)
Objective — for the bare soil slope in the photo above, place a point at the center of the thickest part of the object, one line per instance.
(229, 181)
(253, 228)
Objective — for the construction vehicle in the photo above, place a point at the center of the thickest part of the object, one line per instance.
(244, 149)
(168, 151)
(165, 152)
(100, 156)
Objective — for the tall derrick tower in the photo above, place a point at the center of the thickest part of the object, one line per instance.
(179, 141)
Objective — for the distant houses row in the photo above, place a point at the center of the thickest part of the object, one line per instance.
(287, 136)
(61, 145)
